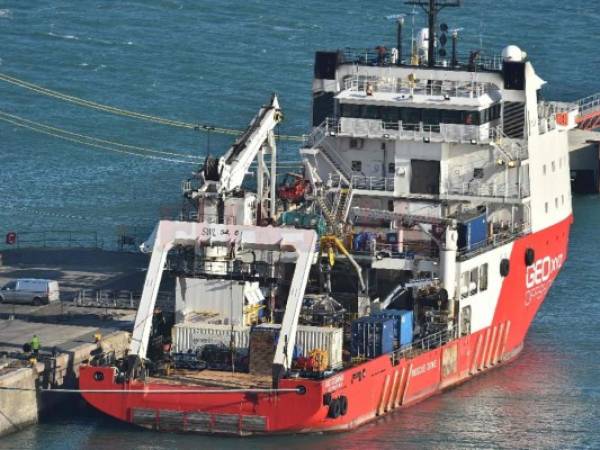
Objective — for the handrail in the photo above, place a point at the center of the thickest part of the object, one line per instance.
(427, 343)
(116, 299)
(372, 183)
(459, 89)
(371, 56)
(496, 240)
(57, 239)
(591, 102)
(318, 139)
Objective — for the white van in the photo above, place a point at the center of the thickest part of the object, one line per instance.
(29, 290)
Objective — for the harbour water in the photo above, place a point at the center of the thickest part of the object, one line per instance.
(216, 62)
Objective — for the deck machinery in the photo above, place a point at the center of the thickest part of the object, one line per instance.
(411, 251)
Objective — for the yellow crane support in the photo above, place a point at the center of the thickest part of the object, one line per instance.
(331, 242)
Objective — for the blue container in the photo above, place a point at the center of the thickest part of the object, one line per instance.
(473, 233)
(403, 324)
(393, 241)
(372, 336)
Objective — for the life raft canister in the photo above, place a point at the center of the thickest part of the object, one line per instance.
(11, 238)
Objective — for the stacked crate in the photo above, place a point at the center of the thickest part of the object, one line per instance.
(263, 343)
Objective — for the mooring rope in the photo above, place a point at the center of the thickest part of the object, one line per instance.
(155, 391)
(128, 113)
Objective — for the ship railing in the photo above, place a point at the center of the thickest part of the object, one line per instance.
(513, 149)
(372, 183)
(429, 342)
(444, 89)
(454, 133)
(401, 250)
(183, 214)
(551, 115)
(589, 104)
(478, 188)
(118, 299)
(56, 239)
(329, 127)
(502, 235)
(318, 139)
(547, 124)
(362, 182)
(190, 185)
(477, 60)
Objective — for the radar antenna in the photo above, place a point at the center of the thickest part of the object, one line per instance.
(432, 8)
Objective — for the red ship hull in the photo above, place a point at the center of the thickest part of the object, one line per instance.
(372, 389)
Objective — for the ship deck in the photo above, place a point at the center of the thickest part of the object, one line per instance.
(215, 378)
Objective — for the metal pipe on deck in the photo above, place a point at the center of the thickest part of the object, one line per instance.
(448, 254)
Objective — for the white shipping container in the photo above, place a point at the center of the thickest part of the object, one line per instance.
(309, 338)
(194, 336)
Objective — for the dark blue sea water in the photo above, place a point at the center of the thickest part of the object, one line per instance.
(217, 62)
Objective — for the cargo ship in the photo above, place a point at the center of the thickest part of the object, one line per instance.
(408, 254)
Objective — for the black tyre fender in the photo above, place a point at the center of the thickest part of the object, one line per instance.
(504, 267)
(37, 301)
(334, 409)
(529, 257)
(343, 405)
(1, 299)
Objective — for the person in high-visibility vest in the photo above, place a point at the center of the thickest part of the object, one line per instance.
(35, 345)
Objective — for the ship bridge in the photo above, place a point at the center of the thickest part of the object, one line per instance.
(457, 111)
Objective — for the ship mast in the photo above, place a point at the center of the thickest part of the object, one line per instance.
(432, 8)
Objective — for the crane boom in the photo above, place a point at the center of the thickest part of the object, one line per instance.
(234, 164)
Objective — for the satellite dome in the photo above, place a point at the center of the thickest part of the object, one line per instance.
(512, 53)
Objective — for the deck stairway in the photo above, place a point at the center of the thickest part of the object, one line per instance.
(318, 140)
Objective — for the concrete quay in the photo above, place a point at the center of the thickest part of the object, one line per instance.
(67, 331)
(584, 158)
(22, 382)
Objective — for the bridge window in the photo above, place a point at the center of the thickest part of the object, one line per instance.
(411, 116)
(372, 112)
(451, 116)
(390, 114)
(431, 116)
